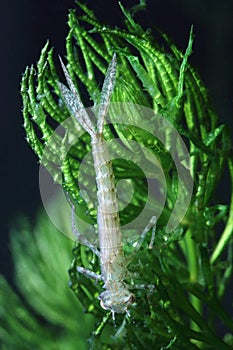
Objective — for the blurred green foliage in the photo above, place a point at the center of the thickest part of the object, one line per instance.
(41, 312)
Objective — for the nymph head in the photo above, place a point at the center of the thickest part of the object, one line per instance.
(117, 301)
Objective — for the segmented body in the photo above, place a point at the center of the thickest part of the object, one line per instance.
(116, 296)
(112, 261)
(107, 214)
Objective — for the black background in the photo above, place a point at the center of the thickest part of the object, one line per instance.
(25, 27)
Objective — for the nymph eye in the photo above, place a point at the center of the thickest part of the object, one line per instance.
(132, 299)
(103, 305)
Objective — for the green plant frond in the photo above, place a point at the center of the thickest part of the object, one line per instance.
(44, 314)
(186, 266)
(171, 87)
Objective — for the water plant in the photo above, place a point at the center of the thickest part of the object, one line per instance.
(190, 266)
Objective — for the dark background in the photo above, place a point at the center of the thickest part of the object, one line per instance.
(25, 27)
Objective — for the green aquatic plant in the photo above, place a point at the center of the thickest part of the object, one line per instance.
(190, 267)
(38, 314)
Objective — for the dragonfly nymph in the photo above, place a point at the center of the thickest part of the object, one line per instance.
(117, 296)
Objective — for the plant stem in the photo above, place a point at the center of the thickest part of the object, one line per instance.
(229, 226)
(191, 256)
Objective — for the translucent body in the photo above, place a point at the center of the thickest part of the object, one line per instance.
(116, 298)
(113, 264)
